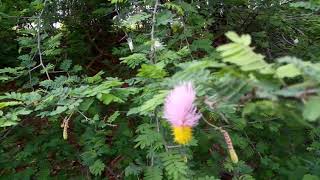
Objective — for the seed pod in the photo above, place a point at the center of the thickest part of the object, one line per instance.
(65, 133)
(232, 152)
(65, 129)
(233, 156)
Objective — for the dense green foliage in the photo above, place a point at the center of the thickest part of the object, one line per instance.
(83, 85)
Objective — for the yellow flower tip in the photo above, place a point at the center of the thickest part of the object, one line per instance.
(182, 134)
(233, 156)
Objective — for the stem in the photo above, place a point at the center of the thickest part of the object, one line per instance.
(227, 139)
(39, 48)
(88, 119)
(83, 115)
(173, 146)
(39, 44)
(212, 125)
(152, 53)
(251, 144)
(157, 120)
(118, 13)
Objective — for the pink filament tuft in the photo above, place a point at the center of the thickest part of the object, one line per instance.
(179, 108)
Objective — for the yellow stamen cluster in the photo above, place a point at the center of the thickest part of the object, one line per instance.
(182, 134)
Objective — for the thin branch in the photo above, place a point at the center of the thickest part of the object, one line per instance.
(212, 125)
(251, 144)
(118, 14)
(109, 124)
(66, 119)
(30, 78)
(185, 38)
(88, 119)
(152, 53)
(227, 139)
(7, 133)
(35, 67)
(41, 64)
(285, 2)
(173, 146)
(65, 125)
(223, 117)
(262, 121)
(20, 17)
(10, 129)
(157, 120)
(307, 92)
(39, 48)
(287, 41)
(158, 130)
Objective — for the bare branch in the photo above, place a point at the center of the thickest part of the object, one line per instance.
(152, 53)
(41, 64)
(39, 48)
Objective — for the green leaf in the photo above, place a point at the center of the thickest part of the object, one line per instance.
(65, 65)
(109, 98)
(117, 1)
(184, 52)
(288, 70)
(310, 177)
(202, 44)
(59, 110)
(311, 110)
(312, 5)
(97, 167)
(244, 39)
(132, 20)
(23, 111)
(113, 117)
(240, 53)
(6, 123)
(103, 88)
(153, 173)
(247, 177)
(96, 78)
(149, 105)
(89, 157)
(174, 7)
(9, 103)
(85, 105)
(207, 178)
(101, 11)
(148, 137)
(151, 71)
(312, 70)
(175, 166)
(132, 169)
(168, 56)
(52, 45)
(164, 18)
(134, 60)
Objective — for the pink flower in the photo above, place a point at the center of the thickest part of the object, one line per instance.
(179, 108)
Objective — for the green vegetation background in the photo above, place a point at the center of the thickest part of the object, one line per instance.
(83, 84)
